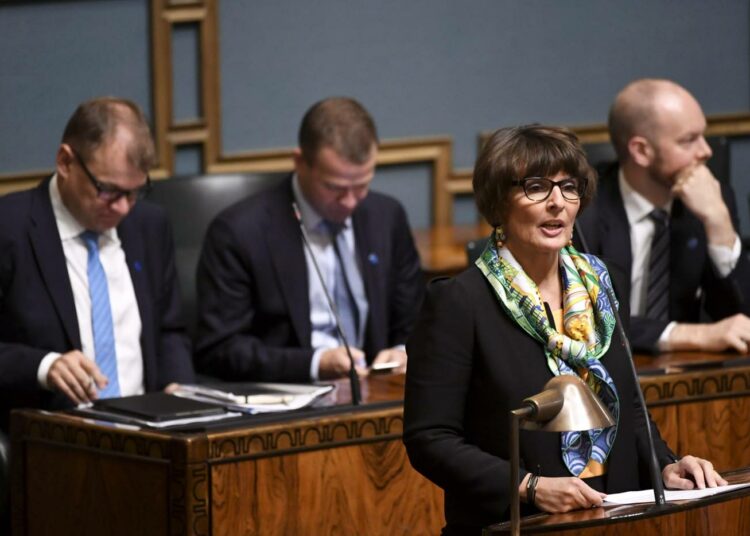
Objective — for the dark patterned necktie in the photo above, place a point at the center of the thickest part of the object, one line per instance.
(343, 296)
(657, 294)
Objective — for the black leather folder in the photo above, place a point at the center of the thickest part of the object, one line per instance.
(157, 407)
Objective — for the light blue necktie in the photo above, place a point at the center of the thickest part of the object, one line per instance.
(101, 317)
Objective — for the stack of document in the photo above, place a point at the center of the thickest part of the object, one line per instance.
(255, 397)
(155, 410)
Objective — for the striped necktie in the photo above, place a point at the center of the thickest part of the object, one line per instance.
(657, 294)
(101, 317)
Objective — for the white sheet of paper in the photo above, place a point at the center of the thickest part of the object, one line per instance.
(647, 495)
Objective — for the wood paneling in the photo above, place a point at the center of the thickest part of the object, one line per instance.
(369, 489)
(340, 473)
(130, 494)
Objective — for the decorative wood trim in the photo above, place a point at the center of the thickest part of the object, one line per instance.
(669, 389)
(460, 182)
(727, 124)
(211, 85)
(189, 500)
(185, 14)
(161, 80)
(383, 425)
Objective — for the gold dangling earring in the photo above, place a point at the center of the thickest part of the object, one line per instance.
(500, 237)
(570, 241)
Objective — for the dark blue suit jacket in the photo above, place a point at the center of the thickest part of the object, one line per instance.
(37, 312)
(604, 225)
(254, 306)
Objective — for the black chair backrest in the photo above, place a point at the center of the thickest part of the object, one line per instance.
(599, 153)
(191, 204)
(719, 164)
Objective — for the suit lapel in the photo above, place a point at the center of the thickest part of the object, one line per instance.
(48, 250)
(284, 243)
(368, 263)
(133, 246)
(614, 228)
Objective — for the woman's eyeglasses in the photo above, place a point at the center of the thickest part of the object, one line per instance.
(540, 188)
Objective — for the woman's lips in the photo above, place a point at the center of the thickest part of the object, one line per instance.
(553, 228)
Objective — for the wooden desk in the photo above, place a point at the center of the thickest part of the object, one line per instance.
(343, 472)
(725, 514)
(701, 408)
(331, 473)
(442, 249)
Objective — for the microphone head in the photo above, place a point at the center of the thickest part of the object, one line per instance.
(297, 213)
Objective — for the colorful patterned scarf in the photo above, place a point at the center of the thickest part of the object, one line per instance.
(588, 325)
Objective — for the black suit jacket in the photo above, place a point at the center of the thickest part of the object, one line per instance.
(37, 312)
(470, 364)
(254, 308)
(604, 225)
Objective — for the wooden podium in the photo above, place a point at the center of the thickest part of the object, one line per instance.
(725, 514)
(339, 470)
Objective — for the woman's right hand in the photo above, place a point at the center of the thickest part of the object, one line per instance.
(563, 494)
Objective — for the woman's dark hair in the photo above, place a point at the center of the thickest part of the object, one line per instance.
(527, 151)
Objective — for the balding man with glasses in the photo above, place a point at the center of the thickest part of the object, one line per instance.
(89, 299)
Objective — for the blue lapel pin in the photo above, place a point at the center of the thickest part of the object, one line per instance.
(137, 266)
(692, 242)
(372, 258)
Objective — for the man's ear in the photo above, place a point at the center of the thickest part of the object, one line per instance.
(641, 151)
(64, 160)
(299, 161)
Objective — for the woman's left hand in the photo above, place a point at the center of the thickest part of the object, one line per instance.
(690, 473)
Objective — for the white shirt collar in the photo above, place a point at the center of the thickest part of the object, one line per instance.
(637, 207)
(67, 225)
(310, 217)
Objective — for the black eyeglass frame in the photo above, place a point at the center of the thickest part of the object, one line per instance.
(582, 182)
(108, 192)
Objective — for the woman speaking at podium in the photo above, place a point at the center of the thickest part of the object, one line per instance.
(531, 308)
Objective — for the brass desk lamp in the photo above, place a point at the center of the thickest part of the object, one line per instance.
(567, 404)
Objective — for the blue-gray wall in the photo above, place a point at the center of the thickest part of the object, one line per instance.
(422, 67)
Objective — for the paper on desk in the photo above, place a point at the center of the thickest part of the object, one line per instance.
(273, 397)
(647, 495)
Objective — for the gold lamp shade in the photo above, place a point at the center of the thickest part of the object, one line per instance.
(579, 408)
(567, 404)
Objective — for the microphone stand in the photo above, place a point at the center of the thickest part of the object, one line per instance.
(656, 479)
(353, 377)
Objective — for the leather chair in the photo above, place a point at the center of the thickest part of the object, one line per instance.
(191, 204)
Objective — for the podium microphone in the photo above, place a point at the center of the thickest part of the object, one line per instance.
(656, 480)
(353, 377)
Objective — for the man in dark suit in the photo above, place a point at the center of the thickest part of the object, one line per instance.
(263, 314)
(89, 300)
(662, 217)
